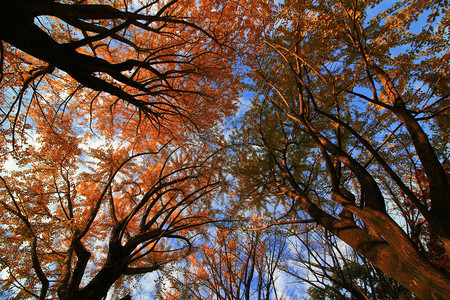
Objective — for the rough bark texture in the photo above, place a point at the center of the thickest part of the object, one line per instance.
(393, 254)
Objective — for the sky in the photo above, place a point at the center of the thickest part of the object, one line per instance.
(147, 283)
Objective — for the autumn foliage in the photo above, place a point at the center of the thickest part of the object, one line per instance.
(350, 106)
(109, 114)
(116, 162)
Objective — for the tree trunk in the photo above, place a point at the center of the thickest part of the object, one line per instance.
(98, 287)
(389, 248)
(396, 256)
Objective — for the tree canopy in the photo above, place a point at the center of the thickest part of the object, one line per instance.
(109, 114)
(346, 127)
(117, 159)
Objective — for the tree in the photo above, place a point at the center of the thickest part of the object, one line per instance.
(231, 264)
(81, 218)
(162, 60)
(152, 57)
(333, 271)
(111, 114)
(344, 117)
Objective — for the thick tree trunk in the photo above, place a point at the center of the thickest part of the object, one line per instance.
(389, 249)
(396, 256)
(418, 276)
(436, 176)
(98, 287)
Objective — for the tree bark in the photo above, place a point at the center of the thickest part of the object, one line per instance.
(394, 254)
